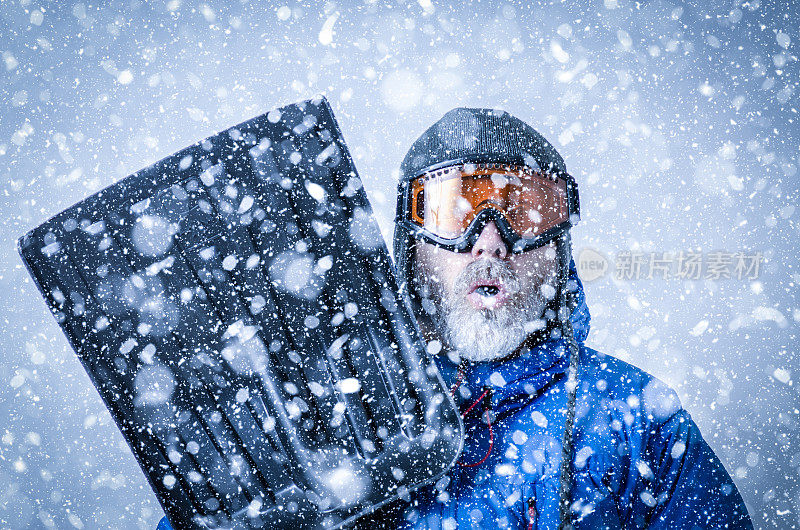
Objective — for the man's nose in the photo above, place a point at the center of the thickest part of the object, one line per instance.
(489, 243)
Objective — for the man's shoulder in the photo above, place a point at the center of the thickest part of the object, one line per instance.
(612, 378)
(600, 364)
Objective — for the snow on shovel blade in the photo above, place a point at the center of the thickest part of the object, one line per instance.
(235, 306)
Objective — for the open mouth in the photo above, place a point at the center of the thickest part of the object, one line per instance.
(487, 294)
(487, 290)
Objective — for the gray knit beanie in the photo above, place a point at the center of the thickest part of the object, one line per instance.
(479, 135)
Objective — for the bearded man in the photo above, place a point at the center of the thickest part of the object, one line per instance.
(558, 435)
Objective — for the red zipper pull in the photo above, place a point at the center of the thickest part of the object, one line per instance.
(533, 514)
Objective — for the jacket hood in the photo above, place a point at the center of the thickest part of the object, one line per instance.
(514, 381)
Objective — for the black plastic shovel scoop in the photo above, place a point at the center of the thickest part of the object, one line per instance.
(236, 308)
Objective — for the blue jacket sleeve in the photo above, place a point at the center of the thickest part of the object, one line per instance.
(163, 524)
(689, 485)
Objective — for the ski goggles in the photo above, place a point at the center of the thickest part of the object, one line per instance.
(450, 206)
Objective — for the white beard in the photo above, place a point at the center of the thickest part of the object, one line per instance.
(487, 334)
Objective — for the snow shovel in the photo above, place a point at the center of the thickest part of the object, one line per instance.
(236, 308)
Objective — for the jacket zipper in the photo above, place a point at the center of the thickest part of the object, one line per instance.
(452, 500)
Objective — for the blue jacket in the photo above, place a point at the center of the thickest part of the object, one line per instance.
(640, 460)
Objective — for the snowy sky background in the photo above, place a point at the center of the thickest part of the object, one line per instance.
(679, 122)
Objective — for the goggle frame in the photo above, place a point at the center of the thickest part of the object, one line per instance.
(515, 243)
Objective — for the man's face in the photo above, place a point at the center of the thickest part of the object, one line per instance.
(486, 302)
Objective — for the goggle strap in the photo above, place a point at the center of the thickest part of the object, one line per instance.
(467, 169)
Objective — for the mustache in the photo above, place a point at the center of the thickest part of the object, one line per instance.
(484, 270)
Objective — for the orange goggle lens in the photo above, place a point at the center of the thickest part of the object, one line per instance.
(445, 202)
